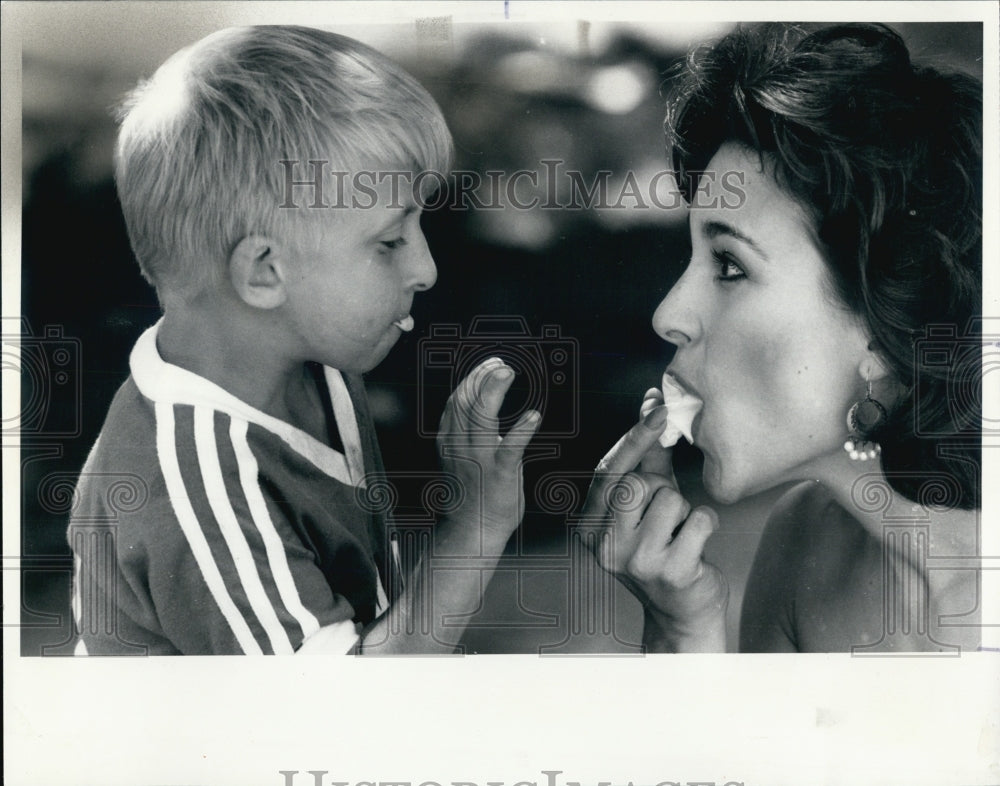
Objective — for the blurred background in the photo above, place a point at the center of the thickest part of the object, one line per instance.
(565, 294)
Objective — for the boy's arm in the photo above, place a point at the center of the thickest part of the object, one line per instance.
(171, 577)
(488, 471)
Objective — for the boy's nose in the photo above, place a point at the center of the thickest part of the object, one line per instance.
(421, 268)
(676, 319)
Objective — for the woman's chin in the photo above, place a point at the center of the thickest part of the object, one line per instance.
(728, 487)
(718, 485)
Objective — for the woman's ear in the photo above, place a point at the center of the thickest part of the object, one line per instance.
(256, 271)
(872, 367)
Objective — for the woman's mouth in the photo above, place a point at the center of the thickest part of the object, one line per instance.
(683, 408)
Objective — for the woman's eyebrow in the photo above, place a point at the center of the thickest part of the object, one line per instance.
(712, 229)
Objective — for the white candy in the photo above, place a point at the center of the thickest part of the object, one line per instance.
(405, 324)
(681, 410)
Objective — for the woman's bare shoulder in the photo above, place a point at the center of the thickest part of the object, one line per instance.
(809, 546)
(808, 519)
(767, 616)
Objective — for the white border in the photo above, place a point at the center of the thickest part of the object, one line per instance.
(759, 720)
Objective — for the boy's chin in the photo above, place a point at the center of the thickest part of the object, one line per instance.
(359, 363)
(367, 364)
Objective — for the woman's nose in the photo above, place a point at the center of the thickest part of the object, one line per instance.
(676, 320)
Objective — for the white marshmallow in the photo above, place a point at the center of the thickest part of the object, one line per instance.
(681, 410)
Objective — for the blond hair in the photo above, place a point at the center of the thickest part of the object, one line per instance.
(197, 162)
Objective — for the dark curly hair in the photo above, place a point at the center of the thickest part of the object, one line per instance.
(886, 158)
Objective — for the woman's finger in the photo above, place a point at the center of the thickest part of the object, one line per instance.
(665, 511)
(619, 535)
(684, 560)
(628, 451)
(651, 399)
(658, 460)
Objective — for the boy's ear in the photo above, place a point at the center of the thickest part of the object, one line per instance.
(256, 271)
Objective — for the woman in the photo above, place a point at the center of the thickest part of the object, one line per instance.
(800, 323)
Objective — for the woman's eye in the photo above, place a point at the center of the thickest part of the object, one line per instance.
(729, 268)
(393, 244)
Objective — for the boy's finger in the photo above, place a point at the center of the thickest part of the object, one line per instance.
(511, 448)
(473, 383)
(687, 548)
(463, 400)
(492, 390)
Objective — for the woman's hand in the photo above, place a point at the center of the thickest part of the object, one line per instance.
(653, 542)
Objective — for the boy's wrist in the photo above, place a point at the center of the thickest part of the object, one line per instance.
(460, 537)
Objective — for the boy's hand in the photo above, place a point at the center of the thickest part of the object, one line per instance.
(486, 465)
(653, 542)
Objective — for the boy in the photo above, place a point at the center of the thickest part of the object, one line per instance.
(243, 425)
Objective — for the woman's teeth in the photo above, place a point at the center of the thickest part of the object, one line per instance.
(405, 324)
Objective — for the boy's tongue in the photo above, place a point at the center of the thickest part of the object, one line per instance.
(681, 410)
(405, 324)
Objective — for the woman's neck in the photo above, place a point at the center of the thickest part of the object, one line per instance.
(864, 491)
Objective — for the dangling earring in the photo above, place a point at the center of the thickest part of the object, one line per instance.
(864, 419)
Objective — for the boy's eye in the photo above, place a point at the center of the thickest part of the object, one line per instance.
(393, 244)
(729, 268)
